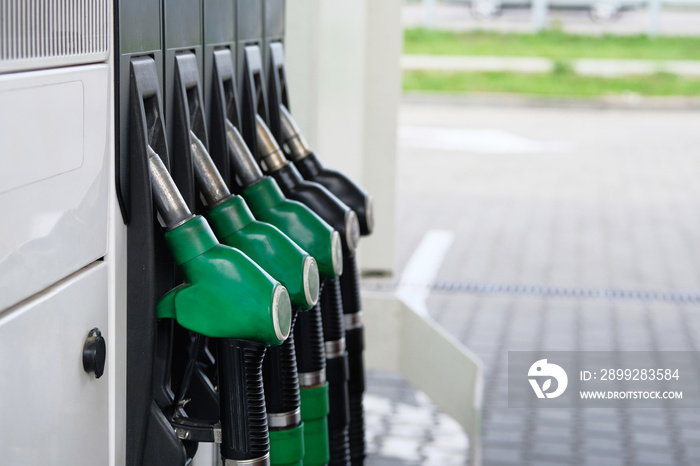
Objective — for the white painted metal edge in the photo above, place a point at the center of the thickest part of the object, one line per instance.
(401, 339)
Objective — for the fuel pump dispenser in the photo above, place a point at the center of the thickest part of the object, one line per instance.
(306, 229)
(229, 295)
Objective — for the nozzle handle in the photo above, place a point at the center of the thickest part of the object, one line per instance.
(310, 352)
(281, 382)
(244, 434)
(337, 371)
(355, 342)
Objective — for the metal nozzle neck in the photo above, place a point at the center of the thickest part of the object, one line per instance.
(205, 172)
(169, 202)
(244, 164)
(293, 139)
(271, 156)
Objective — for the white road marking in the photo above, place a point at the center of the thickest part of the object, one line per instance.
(485, 140)
(422, 267)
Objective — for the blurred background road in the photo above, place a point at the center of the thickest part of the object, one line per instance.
(574, 205)
(674, 20)
(548, 205)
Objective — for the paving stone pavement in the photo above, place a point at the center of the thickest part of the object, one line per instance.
(564, 199)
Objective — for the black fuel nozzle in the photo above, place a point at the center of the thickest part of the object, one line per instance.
(312, 169)
(319, 199)
(284, 260)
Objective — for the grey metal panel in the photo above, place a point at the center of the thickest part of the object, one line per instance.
(138, 33)
(273, 28)
(183, 25)
(250, 19)
(249, 30)
(274, 19)
(219, 20)
(183, 32)
(139, 26)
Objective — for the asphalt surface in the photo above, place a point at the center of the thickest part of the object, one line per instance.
(672, 21)
(546, 203)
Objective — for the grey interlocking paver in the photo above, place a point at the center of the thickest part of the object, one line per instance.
(554, 446)
(496, 435)
(610, 200)
(497, 456)
(656, 458)
(597, 459)
(611, 445)
(654, 440)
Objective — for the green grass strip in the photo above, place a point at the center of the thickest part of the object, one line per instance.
(563, 84)
(553, 44)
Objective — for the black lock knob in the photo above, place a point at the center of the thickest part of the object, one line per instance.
(94, 353)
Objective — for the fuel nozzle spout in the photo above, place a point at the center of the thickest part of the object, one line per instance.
(244, 164)
(169, 202)
(269, 152)
(312, 169)
(292, 137)
(208, 177)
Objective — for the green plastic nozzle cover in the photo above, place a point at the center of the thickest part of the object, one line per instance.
(234, 224)
(297, 221)
(287, 446)
(314, 411)
(225, 294)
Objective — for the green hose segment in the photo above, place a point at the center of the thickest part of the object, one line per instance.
(287, 446)
(297, 221)
(314, 412)
(224, 294)
(271, 249)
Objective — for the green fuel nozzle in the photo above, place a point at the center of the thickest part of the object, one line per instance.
(230, 298)
(268, 203)
(307, 229)
(225, 294)
(235, 225)
(268, 246)
(312, 169)
(315, 196)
